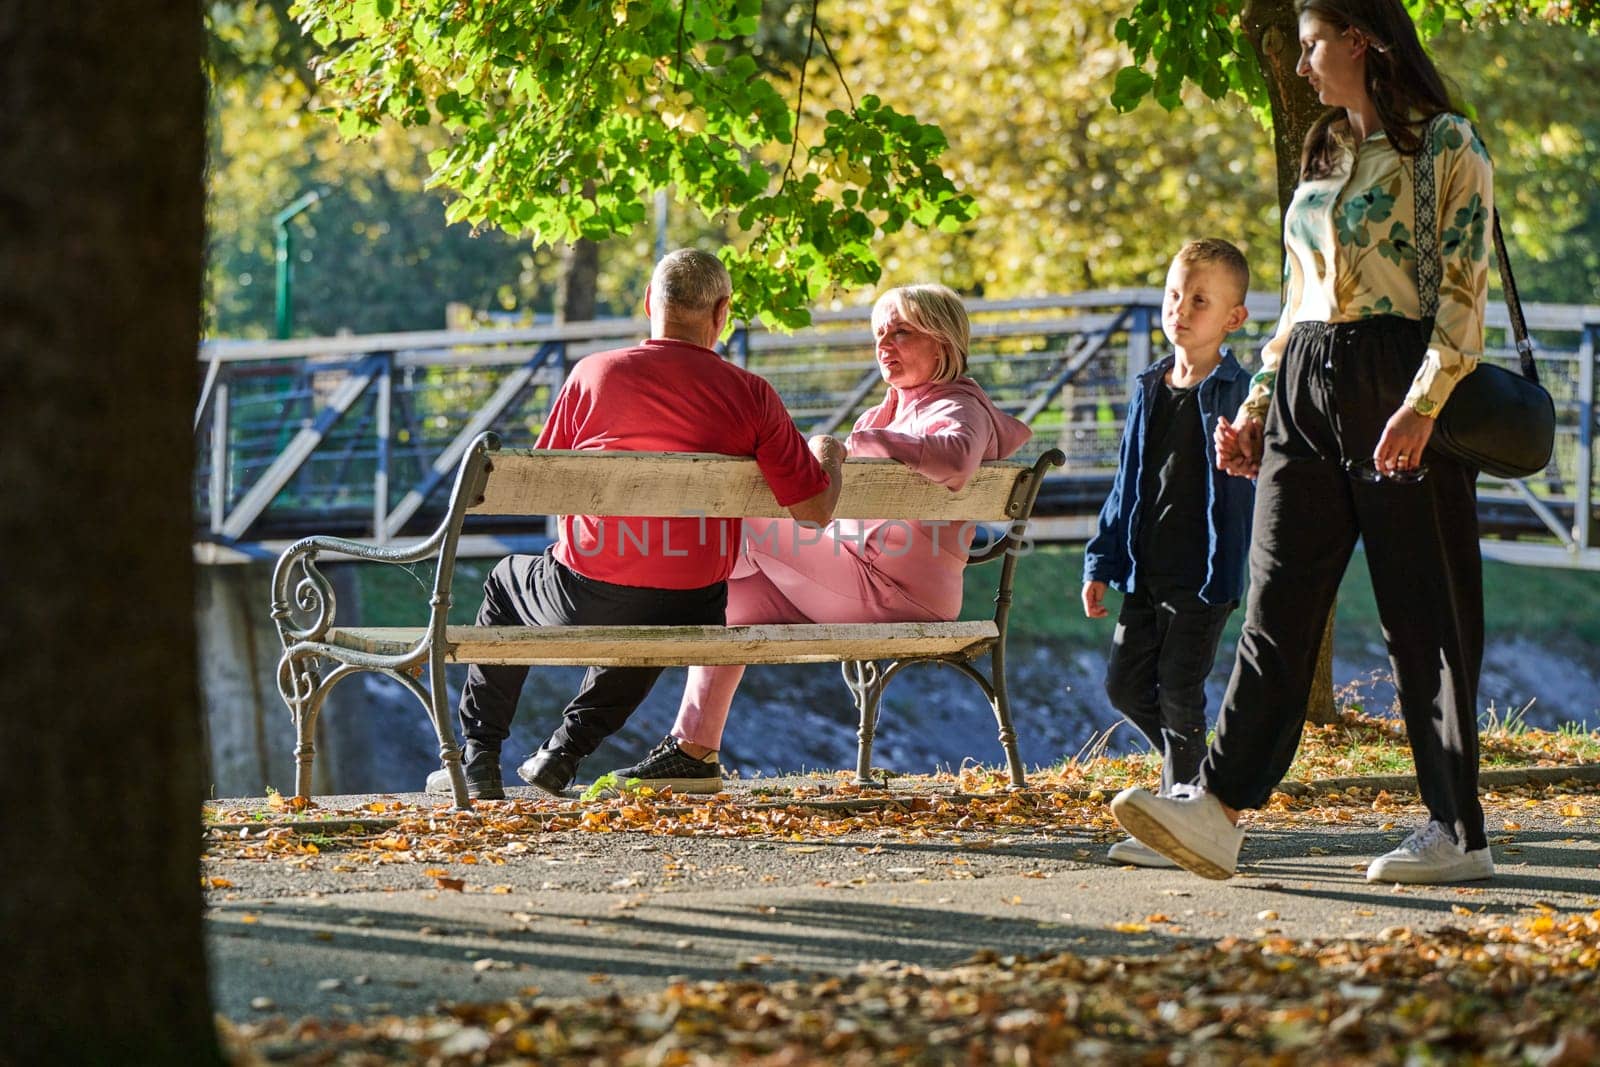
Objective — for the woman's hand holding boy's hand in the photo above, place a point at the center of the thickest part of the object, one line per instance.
(1239, 445)
(1094, 600)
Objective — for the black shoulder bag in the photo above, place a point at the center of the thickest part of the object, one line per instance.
(1496, 421)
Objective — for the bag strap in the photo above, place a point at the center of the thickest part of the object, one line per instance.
(1425, 194)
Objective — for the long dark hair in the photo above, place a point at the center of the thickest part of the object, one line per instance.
(1402, 81)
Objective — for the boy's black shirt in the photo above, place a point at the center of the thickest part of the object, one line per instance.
(1172, 493)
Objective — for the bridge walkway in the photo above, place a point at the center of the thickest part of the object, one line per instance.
(361, 436)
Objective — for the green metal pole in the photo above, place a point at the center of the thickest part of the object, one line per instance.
(280, 225)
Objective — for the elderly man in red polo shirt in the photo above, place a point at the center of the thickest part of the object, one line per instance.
(671, 393)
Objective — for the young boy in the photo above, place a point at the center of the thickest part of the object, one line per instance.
(1174, 532)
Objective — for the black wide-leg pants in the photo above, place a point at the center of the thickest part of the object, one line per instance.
(1337, 386)
(541, 591)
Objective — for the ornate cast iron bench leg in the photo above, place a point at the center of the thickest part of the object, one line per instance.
(1000, 701)
(435, 700)
(867, 687)
(298, 685)
(438, 707)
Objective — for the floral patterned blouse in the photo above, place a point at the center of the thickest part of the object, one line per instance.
(1351, 255)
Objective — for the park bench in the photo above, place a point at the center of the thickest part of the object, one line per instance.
(494, 481)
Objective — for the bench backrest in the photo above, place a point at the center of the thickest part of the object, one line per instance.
(551, 482)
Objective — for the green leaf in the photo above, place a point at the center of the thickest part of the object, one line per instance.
(609, 784)
(1132, 85)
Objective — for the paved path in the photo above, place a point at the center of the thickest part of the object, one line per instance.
(579, 914)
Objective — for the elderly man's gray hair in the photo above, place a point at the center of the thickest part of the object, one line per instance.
(690, 280)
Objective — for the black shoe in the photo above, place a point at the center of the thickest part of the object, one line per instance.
(549, 769)
(482, 767)
(670, 767)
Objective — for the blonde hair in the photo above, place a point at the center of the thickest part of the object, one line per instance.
(936, 311)
(1215, 252)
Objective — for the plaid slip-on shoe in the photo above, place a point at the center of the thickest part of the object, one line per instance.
(669, 767)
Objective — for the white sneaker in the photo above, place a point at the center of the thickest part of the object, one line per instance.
(1193, 831)
(1138, 854)
(1431, 856)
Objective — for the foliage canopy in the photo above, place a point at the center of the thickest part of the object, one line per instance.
(1206, 44)
(563, 116)
(1070, 193)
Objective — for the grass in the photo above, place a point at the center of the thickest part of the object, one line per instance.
(398, 596)
(1360, 745)
(1558, 609)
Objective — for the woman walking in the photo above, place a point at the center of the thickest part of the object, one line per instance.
(1335, 429)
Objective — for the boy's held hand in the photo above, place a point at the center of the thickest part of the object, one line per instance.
(1238, 445)
(1094, 600)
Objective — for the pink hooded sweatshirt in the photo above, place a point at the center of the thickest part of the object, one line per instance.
(897, 570)
(941, 430)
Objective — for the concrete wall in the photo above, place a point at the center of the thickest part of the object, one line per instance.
(250, 734)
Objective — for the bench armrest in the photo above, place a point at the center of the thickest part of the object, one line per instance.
(1021, 509)
(313, 593)
(320, 544)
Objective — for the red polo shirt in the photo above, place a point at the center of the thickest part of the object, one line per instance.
(672, 396)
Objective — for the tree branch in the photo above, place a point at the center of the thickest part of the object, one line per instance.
(800, 96)
(837, 69)
(677, 68)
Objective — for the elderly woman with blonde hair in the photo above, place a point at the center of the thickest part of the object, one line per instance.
(935, 420)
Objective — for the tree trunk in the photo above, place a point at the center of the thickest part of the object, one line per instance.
(1274, 34)
(101, 206)
(1273, 30)
(580, 277)
(1320, 709)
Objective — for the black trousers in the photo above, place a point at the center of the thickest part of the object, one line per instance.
(1337, 387)
(1156, 675)
(540, 591)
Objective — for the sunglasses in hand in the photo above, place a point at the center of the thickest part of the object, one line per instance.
(1367, 471)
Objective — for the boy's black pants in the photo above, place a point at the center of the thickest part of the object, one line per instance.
(1337, 386)
(540, 591)
(1165, 645)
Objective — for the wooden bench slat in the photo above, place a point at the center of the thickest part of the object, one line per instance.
(552, 482)
(667, 646)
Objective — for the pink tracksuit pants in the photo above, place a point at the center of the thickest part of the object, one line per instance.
(782, 576)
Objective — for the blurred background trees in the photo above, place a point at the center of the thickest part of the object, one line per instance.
(1072, 193)
(374, 254)
(1540, 116)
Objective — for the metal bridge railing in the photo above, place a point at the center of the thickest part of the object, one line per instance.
(360, 435)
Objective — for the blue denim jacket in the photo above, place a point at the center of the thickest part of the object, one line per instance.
(1109, 556)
